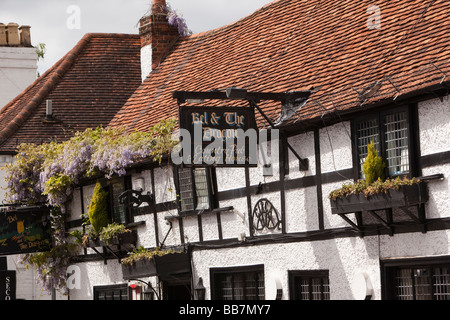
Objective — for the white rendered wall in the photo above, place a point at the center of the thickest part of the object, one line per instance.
(336, 147)
(18, 67)
(434, 125)
(434, 129)
(146, 61)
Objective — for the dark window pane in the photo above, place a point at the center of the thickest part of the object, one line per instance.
(119, 210)
(240, 285)
(186, 189)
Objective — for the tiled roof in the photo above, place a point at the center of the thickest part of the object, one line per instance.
(87, 87)
(293, 45)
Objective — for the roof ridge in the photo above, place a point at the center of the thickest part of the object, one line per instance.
(109, 35)
(58, 70)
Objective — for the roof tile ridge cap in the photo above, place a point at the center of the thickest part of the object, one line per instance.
(113, 34)
(233, 24)
(60, 68)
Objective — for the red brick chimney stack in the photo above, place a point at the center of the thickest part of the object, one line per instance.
(157, 37)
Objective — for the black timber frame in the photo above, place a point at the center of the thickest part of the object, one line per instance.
(426, 161)
(253, 99)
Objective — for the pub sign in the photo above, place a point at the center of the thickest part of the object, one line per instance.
(220, 136)
(25, 230)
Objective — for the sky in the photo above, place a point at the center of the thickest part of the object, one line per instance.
(60, 24)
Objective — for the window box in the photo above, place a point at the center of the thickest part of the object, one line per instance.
(405, 196)
(174, 263)
(124, 239)
(162, 266)
(139, 269)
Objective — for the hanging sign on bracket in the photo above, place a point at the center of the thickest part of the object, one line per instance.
(220, 136)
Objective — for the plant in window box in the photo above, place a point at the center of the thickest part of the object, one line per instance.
(375, 193)
(146, 263)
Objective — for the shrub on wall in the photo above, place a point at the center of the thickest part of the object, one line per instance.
(373, 167)
(98, 208)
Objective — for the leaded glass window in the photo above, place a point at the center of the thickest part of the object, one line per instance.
(309, 285)
(422, 283)
(113, 292)
(396, 141)
(390, 133)
(195, 189)
(233, 284)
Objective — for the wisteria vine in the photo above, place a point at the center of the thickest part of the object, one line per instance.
(178, 21)
(47, 174)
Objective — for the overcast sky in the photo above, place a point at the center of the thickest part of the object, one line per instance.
(58, 24)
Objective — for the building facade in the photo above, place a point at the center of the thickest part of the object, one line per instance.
(311, 253)
(271, 231)
(252, 233)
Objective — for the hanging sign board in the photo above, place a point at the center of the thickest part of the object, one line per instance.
(24, 231)
(7, 285)
(220, 136)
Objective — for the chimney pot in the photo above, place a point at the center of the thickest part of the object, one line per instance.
(13, 34)
(25, 36)
(3, 39)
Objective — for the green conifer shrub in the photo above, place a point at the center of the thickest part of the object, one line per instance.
(98, 208)
(373, 167)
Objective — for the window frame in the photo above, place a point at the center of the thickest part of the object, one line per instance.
(212, 189)
(111, 288)
(295, 275)
(216, 273)
(390, 267)
(127, 185)
(412, 134)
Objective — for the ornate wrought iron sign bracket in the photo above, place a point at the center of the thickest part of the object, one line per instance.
(133, 198)
(265, 216)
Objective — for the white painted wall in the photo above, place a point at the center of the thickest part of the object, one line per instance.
(18, 67)
(146, 61)
(434, 125)
(434, 129)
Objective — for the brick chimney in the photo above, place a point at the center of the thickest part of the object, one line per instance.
(157, 37)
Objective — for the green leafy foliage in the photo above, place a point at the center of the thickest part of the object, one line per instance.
(373, 167)
(111, 231)
(98, 208)
(376, 187)
(144, 254)
(52, 265)
(47, 174)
